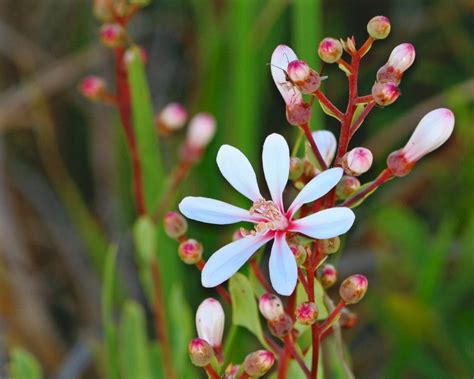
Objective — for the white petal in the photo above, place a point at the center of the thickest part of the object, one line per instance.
(276, 166)
(226, 261)
(326, 143)
(316, 188)
(328, 223)
(282, 267)
(281, 56)
(213, 211)
(238, 171)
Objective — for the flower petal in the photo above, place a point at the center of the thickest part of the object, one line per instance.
(226, 261)
(213, 211)
(328, 223)
(281, 56)
(282, 267)
(326, 143)
(276, 166)
(238, 171)
(316, 188)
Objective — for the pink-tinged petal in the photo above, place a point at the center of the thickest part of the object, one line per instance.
(282, 267)
(226, 261)
(276, 166)
(281, 56)
(326, 143)
(328, 223)
(316, 188)
(213, 211)
(238, 171)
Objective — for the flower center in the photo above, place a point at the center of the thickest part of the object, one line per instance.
(274, 219)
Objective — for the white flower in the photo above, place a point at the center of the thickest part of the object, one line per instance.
(326, 143)
(271, 220)
(210, 320)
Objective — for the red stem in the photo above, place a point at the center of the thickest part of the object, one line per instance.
(328, 104)
(298, 358)
(284, 363)
(314, 147)
(361, 118)
(314, 327)
(364, 99)
(259, 275)
(302, 280)
(384, 176)
(328, 322)
(211, 372)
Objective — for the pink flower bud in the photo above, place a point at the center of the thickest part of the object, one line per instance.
(270, 306)
(298, 113)
(112, 35)
(190, 251)
(329, 245)
(326, 143)
(379, 27)
(307, 313)
(357, 161)
(280, 59)
(171, 118)
(175, 224)
(92, 87)
(280, 326)
(202, 128)
(402, 57)
(296, 168)
(330, 50)
(258, 363)
(305, 78)
(200, 352)
(353, 289)
(347, 186)
(385, 93)
(328, 275)
(210, 320)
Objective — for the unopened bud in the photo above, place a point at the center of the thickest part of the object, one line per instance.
(202, 128)
(298, 113)
(329, 245)
(385, 93)
(347, 186)
(402, 57)
(296, 168)
(300, 253)
(328, 275)
(307, 313)
(190, 251)
(210, 320)
(357, 161)
(270, 306)
(92, 87)
(379, 27)
(348, 319)
(258, 363)
(309, 170)
(326, 143)
(303, 76)
(398, 164)
(280, 326)
(112, 35)
(175, 224)
(353, 289)
(200, 352)
(171, 118)
(330, 50)
(103, 10)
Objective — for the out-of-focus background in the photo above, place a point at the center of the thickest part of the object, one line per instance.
(65, 188)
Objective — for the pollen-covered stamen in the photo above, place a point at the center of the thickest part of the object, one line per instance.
(274, 219)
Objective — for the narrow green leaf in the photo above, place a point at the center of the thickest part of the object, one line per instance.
(23, 365)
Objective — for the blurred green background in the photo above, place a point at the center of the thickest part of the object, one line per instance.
(65, 181)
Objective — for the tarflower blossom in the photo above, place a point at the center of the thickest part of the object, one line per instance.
(272, 221)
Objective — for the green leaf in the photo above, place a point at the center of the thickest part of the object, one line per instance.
(328, 111)
(244, 306)
(144, 235)
(23, 365)
(134, 358)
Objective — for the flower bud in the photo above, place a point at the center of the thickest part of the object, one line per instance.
(326, 143)
(305, 78)
(347, 186)
(298, 113)
(357, 161)
(329, 245)
(398, 164)
(202, 128)
(190, 251)
(92, 87)
(175, 224)
(385, 93)
(112, 35)
(309, 170)
(210, 320)
(379, 27)
(402, 57)
(270, 306)
(281, 325)
(307, 313)
(300, 254)
(171, 118)
(200, 352)
(103, 10)
(353, 289)
(296, 168)
(328, 275)
(330, 50)
(347, 319)
(258, 363)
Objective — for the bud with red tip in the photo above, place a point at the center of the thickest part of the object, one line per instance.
(303, 76)
(112, 35)
(270, 306)
(258, 363)
(175, 224)
(400, 60)
(347, 186)
(329, 245)
(379, 27)
(385, 93)
(200, 352)
(280, 326)
(210, 320)
(353, 289)
(298, 113)
(92, 87)
(431, 132)
(357, 161)
(307, 313)
(171, 118)
(190, 251)
(328, 275)
(347, 319)
(201, 130)
(330, 50)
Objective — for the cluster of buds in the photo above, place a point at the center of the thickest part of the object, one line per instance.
(271, 308)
